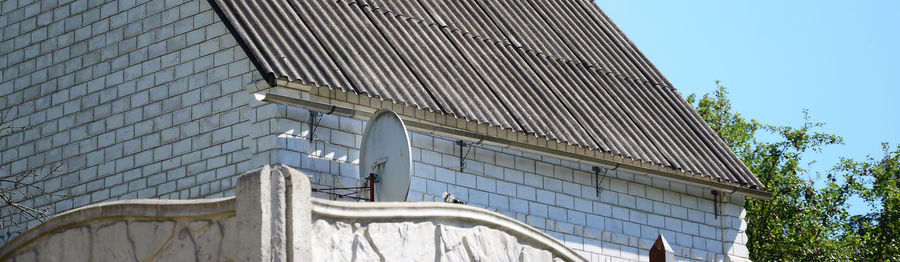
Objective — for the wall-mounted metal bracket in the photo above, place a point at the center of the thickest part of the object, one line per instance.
(314, 119)
(598, 178)
(718, 196)
(462, 156)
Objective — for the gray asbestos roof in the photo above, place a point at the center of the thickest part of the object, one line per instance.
(557, 69)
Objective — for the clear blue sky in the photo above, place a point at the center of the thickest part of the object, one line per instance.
(839, 59)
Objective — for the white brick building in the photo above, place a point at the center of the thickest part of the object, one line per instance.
(165, 99)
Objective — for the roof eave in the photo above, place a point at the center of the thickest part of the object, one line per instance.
(352, 105)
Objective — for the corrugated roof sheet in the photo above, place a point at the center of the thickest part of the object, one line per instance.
(557, 69)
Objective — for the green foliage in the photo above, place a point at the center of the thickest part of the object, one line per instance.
(874, 236)
(806, 221)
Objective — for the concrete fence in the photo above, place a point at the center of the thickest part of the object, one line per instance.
(273, 218)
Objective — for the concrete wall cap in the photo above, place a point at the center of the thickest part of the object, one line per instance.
(139, 208)
(406, 211)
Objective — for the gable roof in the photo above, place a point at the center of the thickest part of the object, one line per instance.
(557, 69)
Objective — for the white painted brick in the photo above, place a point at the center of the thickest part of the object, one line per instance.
(705, 205)
(518, 205)
(504, 160)
(644, 204)
(620, 213)
(538, 209)
(654, 193)
(593, 246)
(445, 175)
(695, 215)
(421, 141)
(714, 245)
(649, 234)
(712, 220)
(435, 188)
(446, 146)
(546, 197)
(677, 187)
(505, 188)
(423, 170)
(671, 197)
(583, 205)
(524, 164)
(673, 224)
(583, 178)
(450, 161)
(574, 242)
(496, 201)
(679, 212)
(656, 220)
(431, 157)
(611, 250)
(513, 175)
(602, 209)
(534, 180)
(543, 169)
(699, 244)
(563, 173)
(576, 217)
(636, 189)
(662, 208)
(466, 180)
(690, 228)
(474, 167)
(478, 197)
(609, 196)
(631, 229)
(732, 209)
(627, 200)
(552, 184)
(556, 213)
(630, 253)
(689, 201)
(613, 225)
(525, 192)
(484, 155)
(565, 201)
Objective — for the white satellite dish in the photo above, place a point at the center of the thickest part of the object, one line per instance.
(385, 152)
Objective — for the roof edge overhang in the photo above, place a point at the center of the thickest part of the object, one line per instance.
(349, 104)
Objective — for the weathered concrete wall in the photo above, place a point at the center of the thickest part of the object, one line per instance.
(271, 219)
(134, 240)
(423, 241)
(131, 99)
(132, 230)
(555, 195)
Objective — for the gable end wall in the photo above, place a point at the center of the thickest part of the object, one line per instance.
(131, 99)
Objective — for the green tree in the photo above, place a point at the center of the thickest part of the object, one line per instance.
(873, 236)
(802, 221)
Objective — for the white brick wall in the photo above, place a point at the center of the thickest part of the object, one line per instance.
(145, 100)
(555, 195)
(134, 99)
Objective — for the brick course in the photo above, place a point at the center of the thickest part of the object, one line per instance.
(133, 99)
(555, 195)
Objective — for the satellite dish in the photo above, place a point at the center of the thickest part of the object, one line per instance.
(385, 152)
